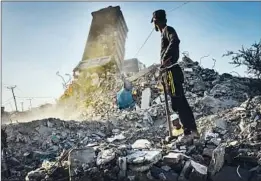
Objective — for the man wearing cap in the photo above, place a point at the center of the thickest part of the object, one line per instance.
(175, 78)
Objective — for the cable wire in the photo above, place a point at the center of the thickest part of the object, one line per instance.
(144, 42)
(179, 6)
(8, 100)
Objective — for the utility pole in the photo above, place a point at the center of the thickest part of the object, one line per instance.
(12, 89)
(22, 105)
(30, 99)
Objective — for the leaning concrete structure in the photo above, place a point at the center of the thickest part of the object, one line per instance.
(106, 39)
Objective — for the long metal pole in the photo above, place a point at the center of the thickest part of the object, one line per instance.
(166, 106)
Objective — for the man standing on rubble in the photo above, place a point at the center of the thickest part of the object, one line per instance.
(169, 56)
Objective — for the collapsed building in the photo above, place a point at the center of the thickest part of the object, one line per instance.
(103, 54)
(106, 39)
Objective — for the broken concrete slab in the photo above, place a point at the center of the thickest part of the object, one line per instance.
(138, 157)
(146, 98)
(116, 137)
(141, 144)
(221, 123)
(105, 156)
(173, 158)
(199, 172)
(217, 160)
(208, 152)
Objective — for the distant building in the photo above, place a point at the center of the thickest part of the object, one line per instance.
(132, 65)
(107, 37)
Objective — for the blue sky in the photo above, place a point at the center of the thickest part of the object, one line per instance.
(41, 38)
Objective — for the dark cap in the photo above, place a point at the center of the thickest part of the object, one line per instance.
(159, 15)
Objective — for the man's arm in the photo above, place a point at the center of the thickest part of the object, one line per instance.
(173, 44)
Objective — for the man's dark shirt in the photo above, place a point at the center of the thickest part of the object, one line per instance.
(169, 45)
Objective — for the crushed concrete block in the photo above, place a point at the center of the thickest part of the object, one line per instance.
(144, 156)
(193, 171)
(105, 156)
(145, 99)
(37, 174)
(78, 157)
(216, 141)
(116, 131)
(184, 175)
(148, 118)
(217, 160)
(207, 152)
(173, 158)
(199, 171)
(50, 124)
(140, 167)
(116, 137)
(141, 144)
(43, 130)
(220, 123)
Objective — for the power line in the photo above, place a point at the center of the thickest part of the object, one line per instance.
(179, 6)
(153, 28)
(8, 100)
(144, 42)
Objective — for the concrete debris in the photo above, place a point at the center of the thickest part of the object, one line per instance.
(116, 137)
(145, 99)
(141, 144)
(173, 158)
(105, 156)
(106, 143)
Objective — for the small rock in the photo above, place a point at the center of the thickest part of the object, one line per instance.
(207, 152)
(166, 168)
(220, 123)
(105, 156)
(141, 144)
(173, 158)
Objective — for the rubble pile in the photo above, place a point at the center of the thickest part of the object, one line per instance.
(108, 144)
(206, 90)
(132, 148)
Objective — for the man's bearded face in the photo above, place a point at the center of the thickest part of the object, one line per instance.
(155, 21)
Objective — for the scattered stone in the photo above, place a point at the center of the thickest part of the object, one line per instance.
(217, 160)
(116, 137)
(105, 156)
(110, 148)
(144, 156)
(173, 158)
(141, 144)
(207, 152)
